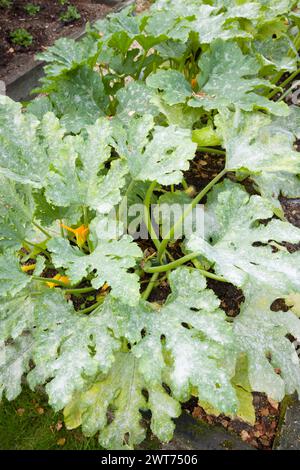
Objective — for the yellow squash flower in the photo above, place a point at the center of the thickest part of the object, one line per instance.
(81, 233)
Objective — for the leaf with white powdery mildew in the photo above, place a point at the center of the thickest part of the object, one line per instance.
(22, 157)
(261, 333)
(198, 359)
(235, 253)
(175, 89)
(122, 389)
(16, 213)
(79, 99)
(155, 153)
(229, 78)
(264, 146)
(23, 318)
(78, 175)
(111, 259)
(163, 350)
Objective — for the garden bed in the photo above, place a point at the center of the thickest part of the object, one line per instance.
(45, 26)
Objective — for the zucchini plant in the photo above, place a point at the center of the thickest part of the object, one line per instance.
(123, 113)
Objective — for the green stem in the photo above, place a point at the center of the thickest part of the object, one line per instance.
(143, 59)
(52, 281)
(83, 290)
(147, 215)
(42, 229)
(86, 223)
(124, 200)
(91, 308)
(211, 150)
(285, 83)
(184, 184)
(175, 264)
(179, 262)
(150, 287)
(286, 93)
(62, 232)
(36, 245)
(211, 275)
(187, 212)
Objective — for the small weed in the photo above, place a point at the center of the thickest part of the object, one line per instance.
(5, 3)
(32, 9)
(21, 37)
(71, 14)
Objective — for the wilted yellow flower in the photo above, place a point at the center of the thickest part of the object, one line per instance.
(28, 267)
(60, 278)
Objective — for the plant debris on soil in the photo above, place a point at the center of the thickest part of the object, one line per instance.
(262, 434)
(44, 26)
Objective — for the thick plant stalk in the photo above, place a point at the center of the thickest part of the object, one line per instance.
(180, 262)
(150, 287)
(42, 230)
(91, 308)
(86, 223)
(83, 290)
(211, 150)
(193, 204)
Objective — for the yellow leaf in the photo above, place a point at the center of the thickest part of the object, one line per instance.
(28, 267)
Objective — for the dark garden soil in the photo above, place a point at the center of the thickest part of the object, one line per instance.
(45, 27)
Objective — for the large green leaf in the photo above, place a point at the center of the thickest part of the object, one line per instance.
(68, 54)
(235, 254)
(261, 333)
(155, 152)
(230, 78)
(275, 53)
(264, 146)
(173, 84)
(22, 158)
(79, 99)
(16, 213)
(258, 143)
(111, 259)
(135, 99)
(177, 19)
(191, 332)
(182, 344)
(78, 175)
